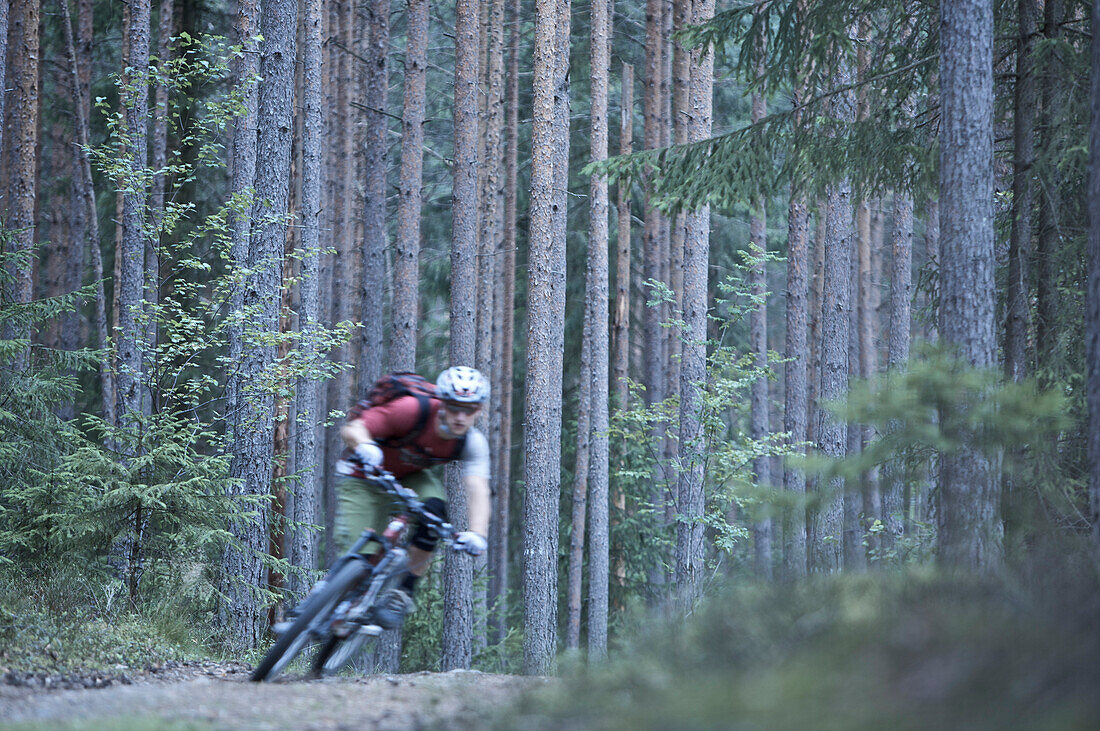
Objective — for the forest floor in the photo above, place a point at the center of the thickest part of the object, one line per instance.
(211, 695)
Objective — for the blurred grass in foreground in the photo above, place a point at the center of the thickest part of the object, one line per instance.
(912, 649)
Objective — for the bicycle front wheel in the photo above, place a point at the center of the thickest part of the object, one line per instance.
(317, 606)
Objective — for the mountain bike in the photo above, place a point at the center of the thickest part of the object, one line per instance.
(337, 614)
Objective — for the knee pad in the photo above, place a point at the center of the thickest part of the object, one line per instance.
(424, 538)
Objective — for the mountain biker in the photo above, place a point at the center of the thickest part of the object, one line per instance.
(406, 441)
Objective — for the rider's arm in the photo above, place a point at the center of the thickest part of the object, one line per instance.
(477, 507)
(355, 433)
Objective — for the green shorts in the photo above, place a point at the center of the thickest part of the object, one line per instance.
(361, 505)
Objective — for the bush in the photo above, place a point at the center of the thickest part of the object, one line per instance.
(912, 649)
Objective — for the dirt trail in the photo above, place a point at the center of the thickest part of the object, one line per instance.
(224, 699)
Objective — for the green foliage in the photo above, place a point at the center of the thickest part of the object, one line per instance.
(641, 536)
(886, 650)
(64, 618)
(780, 47)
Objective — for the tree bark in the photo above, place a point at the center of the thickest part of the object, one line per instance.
(91, 217)
(1017, 296)
(855, 557)
(758, 344)
(502, 454)
(406, 274)
(575, 572)
(458, 573)
(23, 143)
(1050, 200)
(597, 302)
(830, 435)
(1093, 294)
(970, 531)
(901, 293)
(620, 369)
(545, 339)
(302, 545)
(252, 455)
(374, 80)
(132, 272)
(693, 367)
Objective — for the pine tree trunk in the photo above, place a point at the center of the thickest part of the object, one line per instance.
(826, 541)
(817, 296)
(693, 367)
(758, 344)
(620, 369)
(406, 273)
(458, 573)
(795, 379)
(1018, 294)
(855, 557)
(1050, 203)
(302, 545)
(23, 143)
(901, 293)
(545, 339)
(575, 571)
(970, 531)
(1093, 293)
(252, 456)
(5, 9)
(502, 371)
(132, 272)
(374, 81)
(91, 217)
(597, 303)
(796, 371)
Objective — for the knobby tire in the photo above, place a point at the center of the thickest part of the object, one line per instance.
(335, 652)
(296, 638)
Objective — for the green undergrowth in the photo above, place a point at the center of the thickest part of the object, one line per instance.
(63, 624)
(912, 649)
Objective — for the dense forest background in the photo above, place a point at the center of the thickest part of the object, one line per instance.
(765, 290)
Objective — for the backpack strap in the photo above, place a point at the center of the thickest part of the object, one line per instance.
(425, 403)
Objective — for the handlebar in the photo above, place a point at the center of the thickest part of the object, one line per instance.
(410, 501)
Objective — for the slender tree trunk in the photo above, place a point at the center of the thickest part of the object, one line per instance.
(1093, 294)
(620, 369)
(795, 386)
(458, 592)
(795, 381)
(1050, 203)
(132, 273)
(817, 296)
(374, 80)
(252, 457)
(901, 293)
(545, 336)
(693, 367)
(575, 572)
(758, 343)
(302, 548)
(826, 544)
(970, 531)
(406, 274)
(498, 547)
(23, 180)
(599, 540)
(1017, 310)
(5, 9)
(855, 556)
(91, 217)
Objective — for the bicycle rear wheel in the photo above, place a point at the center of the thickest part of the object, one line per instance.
(318, 606)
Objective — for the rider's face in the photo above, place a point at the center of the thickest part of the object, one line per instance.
(458, 418)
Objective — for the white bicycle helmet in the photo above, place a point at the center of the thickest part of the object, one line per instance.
(462, 384)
